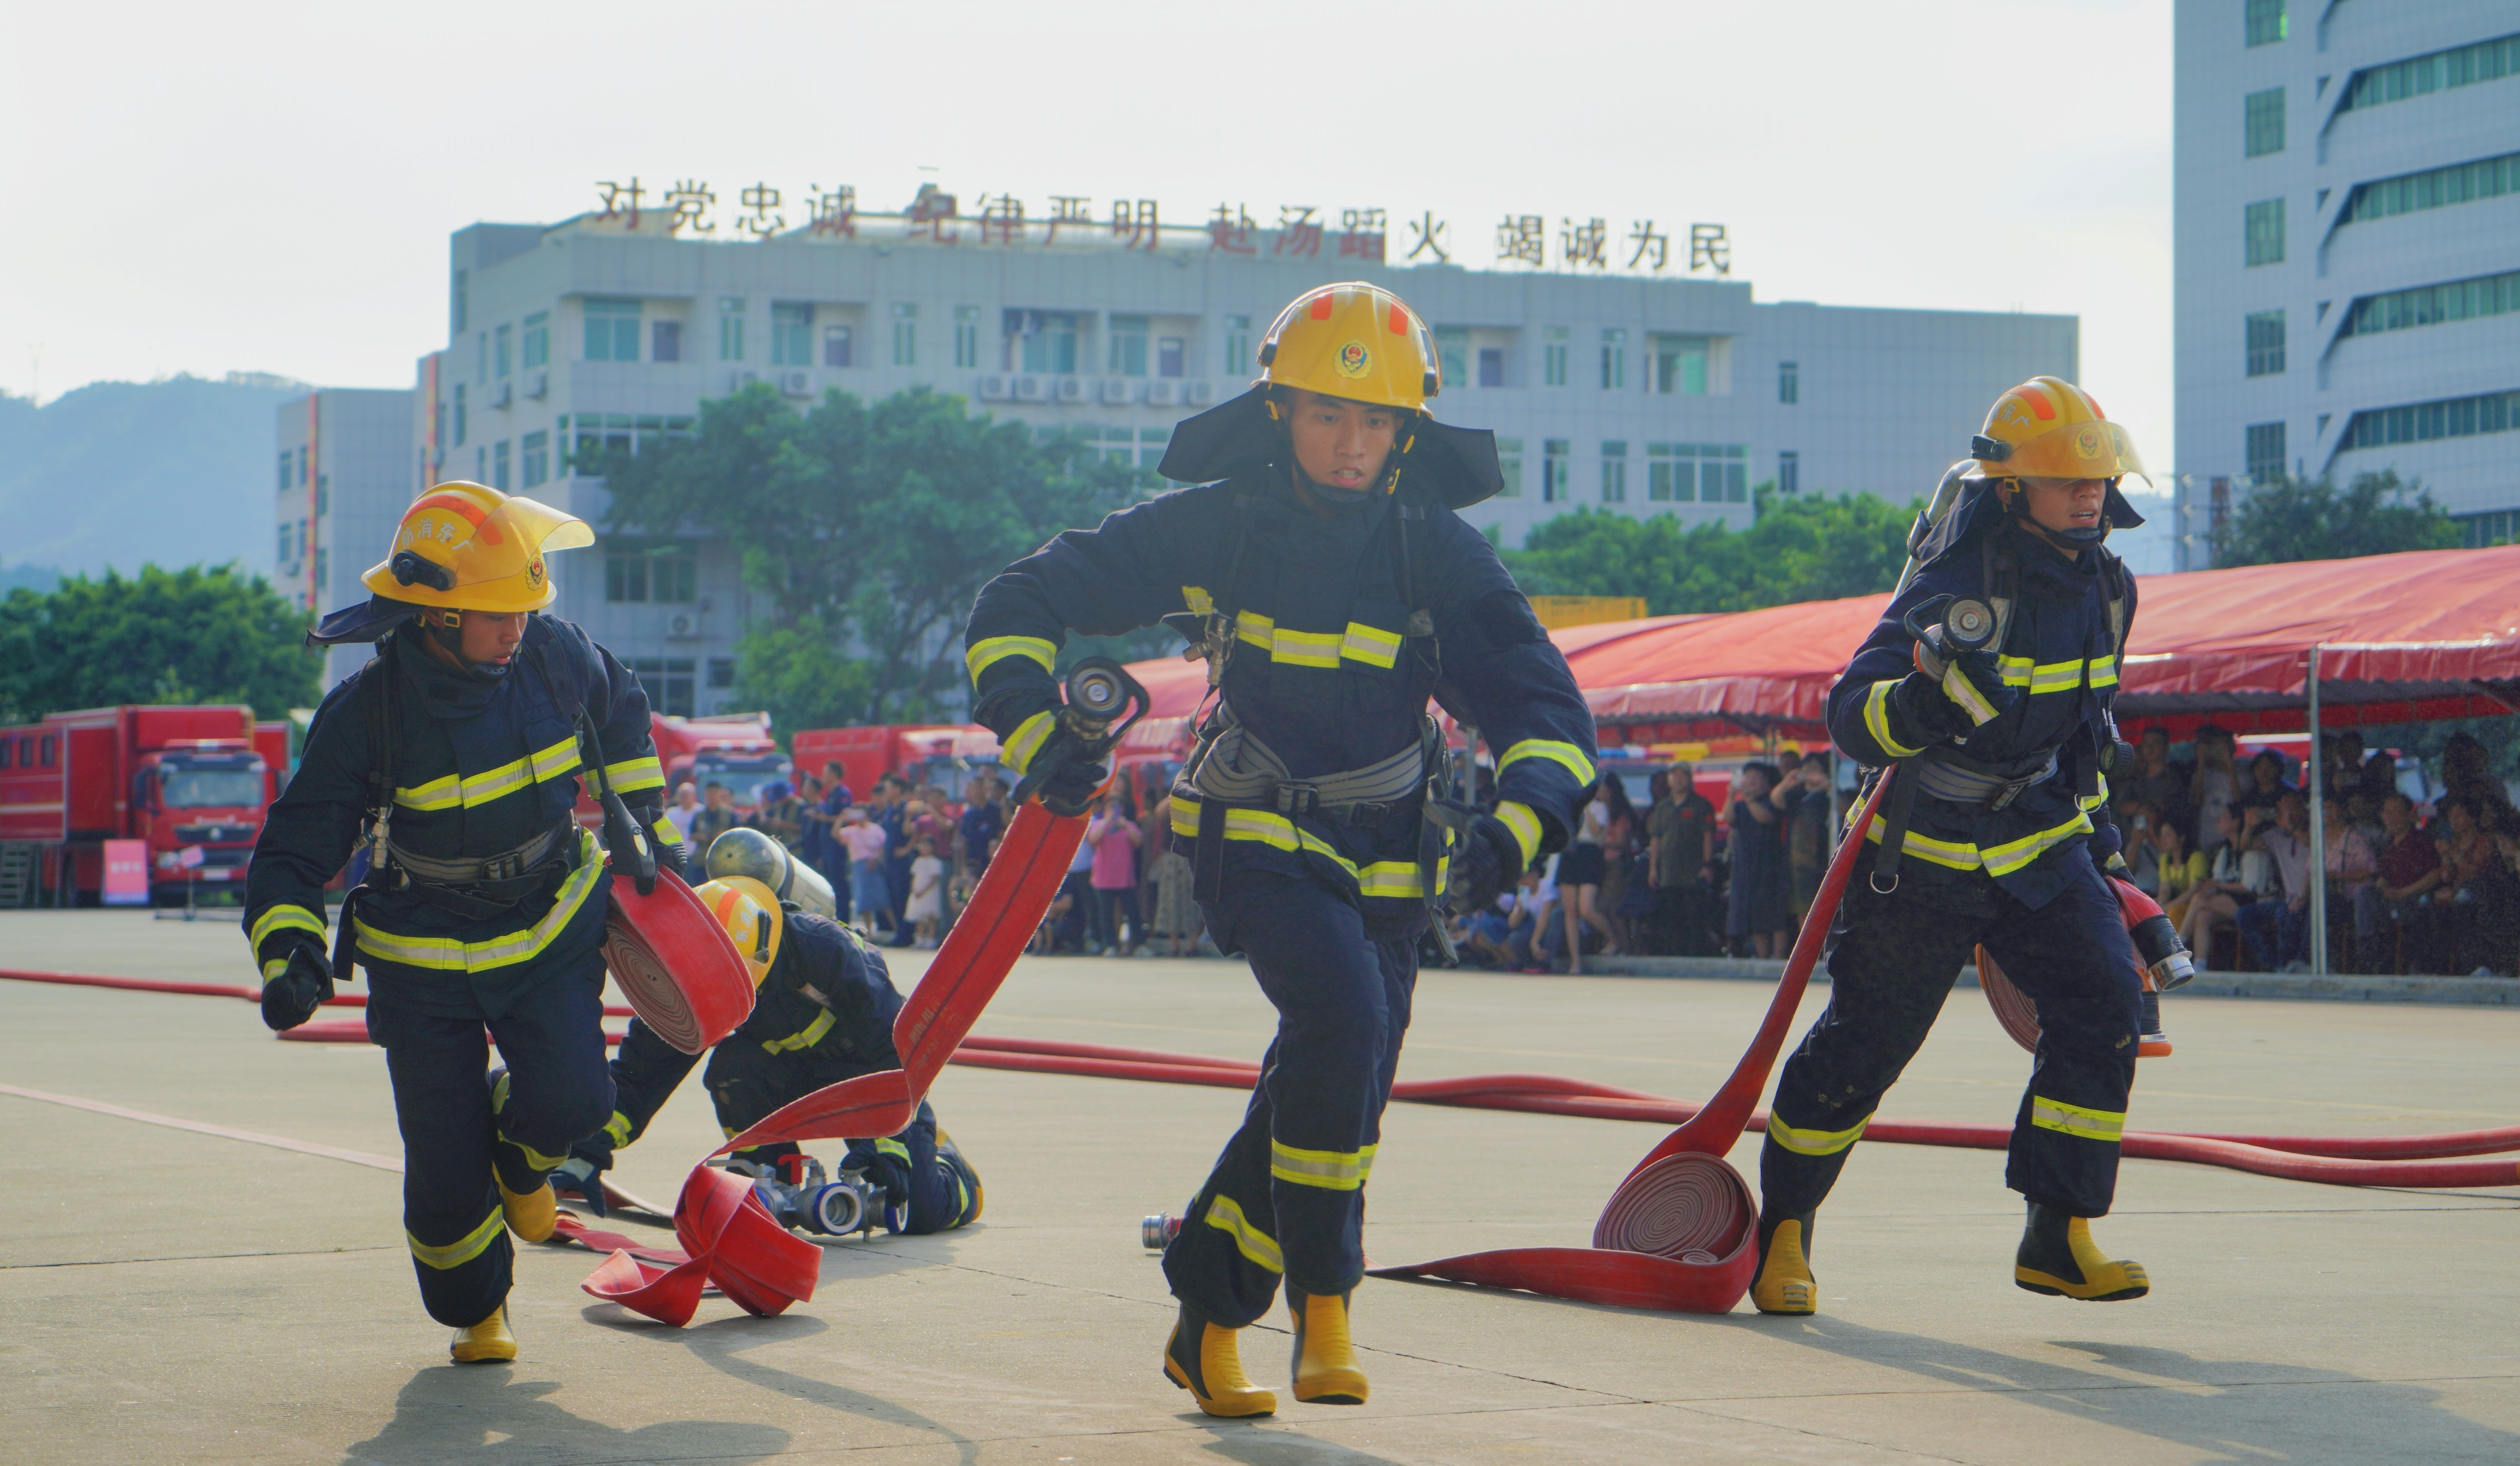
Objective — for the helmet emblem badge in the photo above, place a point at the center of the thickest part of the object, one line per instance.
(1352, 359)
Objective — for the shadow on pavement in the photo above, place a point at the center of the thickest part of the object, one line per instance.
(2210, 1405)
(720, 1343)
(448, 1413)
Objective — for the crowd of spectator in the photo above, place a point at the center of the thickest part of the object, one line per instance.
(2429, 886)
(2412, 886)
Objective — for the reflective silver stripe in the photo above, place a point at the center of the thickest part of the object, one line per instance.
(447, 953)
(1227, 1217)
(1330, 1170)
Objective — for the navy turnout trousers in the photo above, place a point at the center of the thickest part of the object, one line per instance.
(1287, 1196)
(457, 1125)
(1891, 961)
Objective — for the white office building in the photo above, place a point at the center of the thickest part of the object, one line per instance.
(2348, 250)
(346, 470)
(1632, 393)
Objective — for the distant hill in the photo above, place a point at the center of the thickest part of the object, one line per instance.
(177, 472)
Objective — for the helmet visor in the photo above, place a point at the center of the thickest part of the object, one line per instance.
(2096, 448)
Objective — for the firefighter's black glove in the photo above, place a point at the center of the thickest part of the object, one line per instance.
(1488, 865)
(1966, 693)
(295, 985)
(1077, 772)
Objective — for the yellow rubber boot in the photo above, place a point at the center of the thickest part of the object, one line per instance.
(2058, 1257)
(486, 1342)
(1203, 1358)
(1784, 1284)
(530, 1214)
(1326, 1369)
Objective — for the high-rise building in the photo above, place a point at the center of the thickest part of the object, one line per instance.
(2348, 252)
(344, 475)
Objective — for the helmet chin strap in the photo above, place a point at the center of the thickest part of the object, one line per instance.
(446, 626)
(2016, 502)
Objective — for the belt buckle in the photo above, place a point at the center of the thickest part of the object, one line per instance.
(2011, 791)
(1298, 798)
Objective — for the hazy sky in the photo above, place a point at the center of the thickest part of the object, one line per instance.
(264, 187)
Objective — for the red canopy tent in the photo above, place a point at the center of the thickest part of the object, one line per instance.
(2402, 637)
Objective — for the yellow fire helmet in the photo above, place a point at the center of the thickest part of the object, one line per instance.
(751, 918)
(2047, 427)
(1354, 340)
(463, 547)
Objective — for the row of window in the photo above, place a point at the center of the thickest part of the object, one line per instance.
(1049, 344)
(663, 571)
(2416, 76)
(2426, 421)
(1675, 472)
(2435, 188)
(293, 468)
(669, 680)
(492, 353)
(2483, 531)
(2266, 336)
(2262, 122)
(2430, 305)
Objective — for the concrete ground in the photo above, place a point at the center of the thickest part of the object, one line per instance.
(166, 1296)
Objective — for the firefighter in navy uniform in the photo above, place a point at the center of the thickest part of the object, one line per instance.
(455, 754)
(1996, 831)
(823, 1010)
(1333, 589)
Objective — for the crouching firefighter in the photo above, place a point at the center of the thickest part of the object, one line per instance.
(1331, 587)
(822, 1013)
(454, 756)
(1996, 831)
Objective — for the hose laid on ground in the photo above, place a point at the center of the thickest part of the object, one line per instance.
(195, 989)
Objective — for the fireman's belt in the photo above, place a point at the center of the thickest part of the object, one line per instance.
(1947, 774)
(1233, 765)
(528, 859)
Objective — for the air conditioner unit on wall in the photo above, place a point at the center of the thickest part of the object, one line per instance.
(796, 383)
(539, 383)
(1163, 393)
(1199, 394)
(1071, 389)
(502, 394)
(1028, 389)
(683, 626)
(995, 387)
(1118, 391)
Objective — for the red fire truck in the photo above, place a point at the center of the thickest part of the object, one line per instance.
(180, 779)
(734, 749)
(944, 754)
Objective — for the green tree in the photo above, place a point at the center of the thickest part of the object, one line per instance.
(212, 633)
(2312, 520)
(1800, 547)
(866, 529)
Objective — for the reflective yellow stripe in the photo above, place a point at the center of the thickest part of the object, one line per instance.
(437, 795)
(2104, 672)
(1253, 1243)
(893, 1148)
(1029, 736)
(2076, 1120)
(2056, 677)
(497, 783)
(534, 1157)
(457, 1254)
(1959, 856)
(805, 1037)
(1395, 880)
(1195, 598)
(1543, 748)
(2095, 801)
(447, 953)
(627, 776)
(988, 652)
(1815, 1142)
(1330, 1170)
(1525, 824)
(284, 919)
(1958, 689)
(1877, 721)
(2015, 671)
(665, 833)
(618, 1128)
(1256, 628)
(2013, 855)
(1365, 643)
(271, 969)
(1305, 649)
